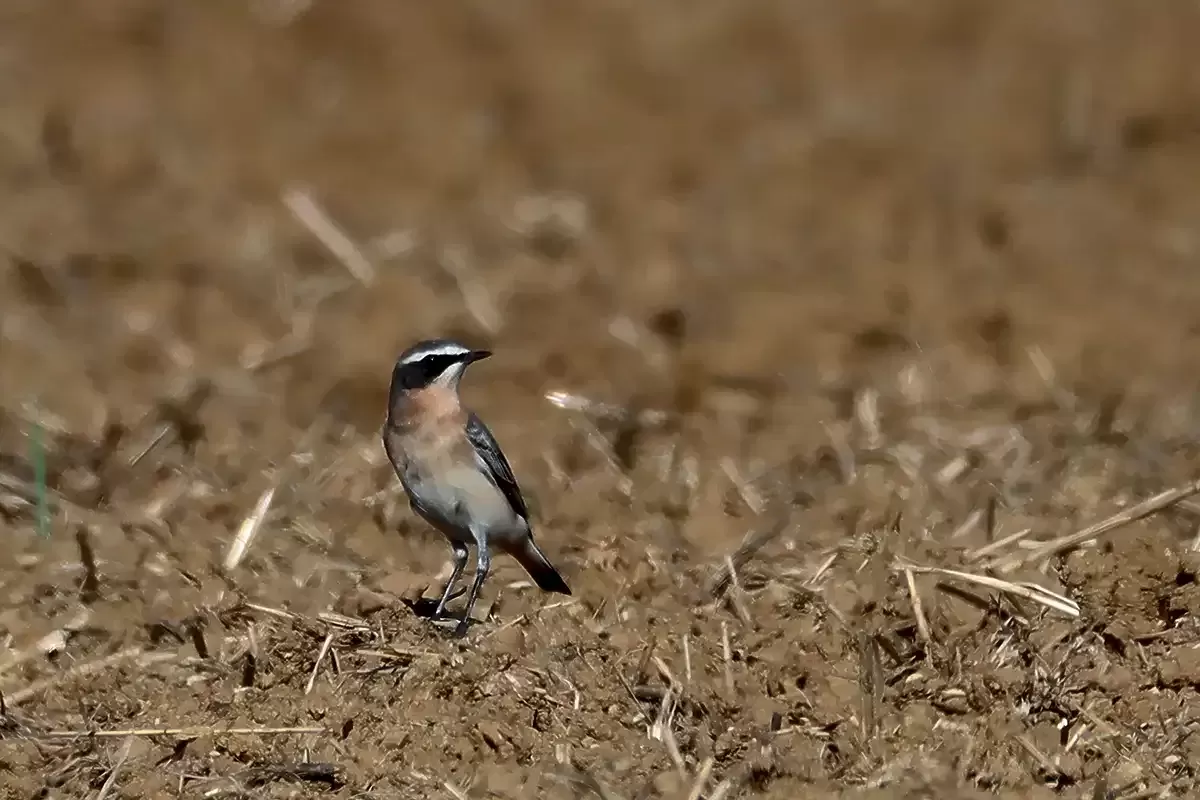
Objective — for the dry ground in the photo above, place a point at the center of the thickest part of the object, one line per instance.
(872, 284)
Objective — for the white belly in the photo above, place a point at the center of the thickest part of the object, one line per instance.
(463, 504)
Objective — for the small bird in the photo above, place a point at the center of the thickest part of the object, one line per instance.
(454, 472)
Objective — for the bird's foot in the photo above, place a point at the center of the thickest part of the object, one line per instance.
(449, 627)
(439, 611)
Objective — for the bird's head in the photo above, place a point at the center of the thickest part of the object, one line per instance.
(432, 363)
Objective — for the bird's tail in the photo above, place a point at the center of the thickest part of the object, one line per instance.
(531, 557)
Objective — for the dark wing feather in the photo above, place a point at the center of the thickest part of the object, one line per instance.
(493, 460)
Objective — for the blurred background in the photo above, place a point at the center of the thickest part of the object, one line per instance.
(221, 221)
(781, 176)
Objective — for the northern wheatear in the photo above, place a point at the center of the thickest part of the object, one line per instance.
(454, 472)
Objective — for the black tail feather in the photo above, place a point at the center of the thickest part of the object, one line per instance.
(540, 569)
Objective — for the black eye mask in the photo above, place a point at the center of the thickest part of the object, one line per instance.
(406, 377)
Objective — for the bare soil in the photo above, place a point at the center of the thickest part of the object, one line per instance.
(870, 285)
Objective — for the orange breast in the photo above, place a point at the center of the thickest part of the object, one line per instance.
(435, 425)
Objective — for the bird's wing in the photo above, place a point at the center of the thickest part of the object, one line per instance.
(492, 459)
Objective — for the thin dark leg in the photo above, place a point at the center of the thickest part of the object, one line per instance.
(460, 563)
(483, 563)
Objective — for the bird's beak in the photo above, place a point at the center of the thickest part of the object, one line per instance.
(478, 355)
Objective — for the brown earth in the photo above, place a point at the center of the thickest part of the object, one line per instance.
(905, 278)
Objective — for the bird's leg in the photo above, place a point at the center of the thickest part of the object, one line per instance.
(483, 563)
(460, 563)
